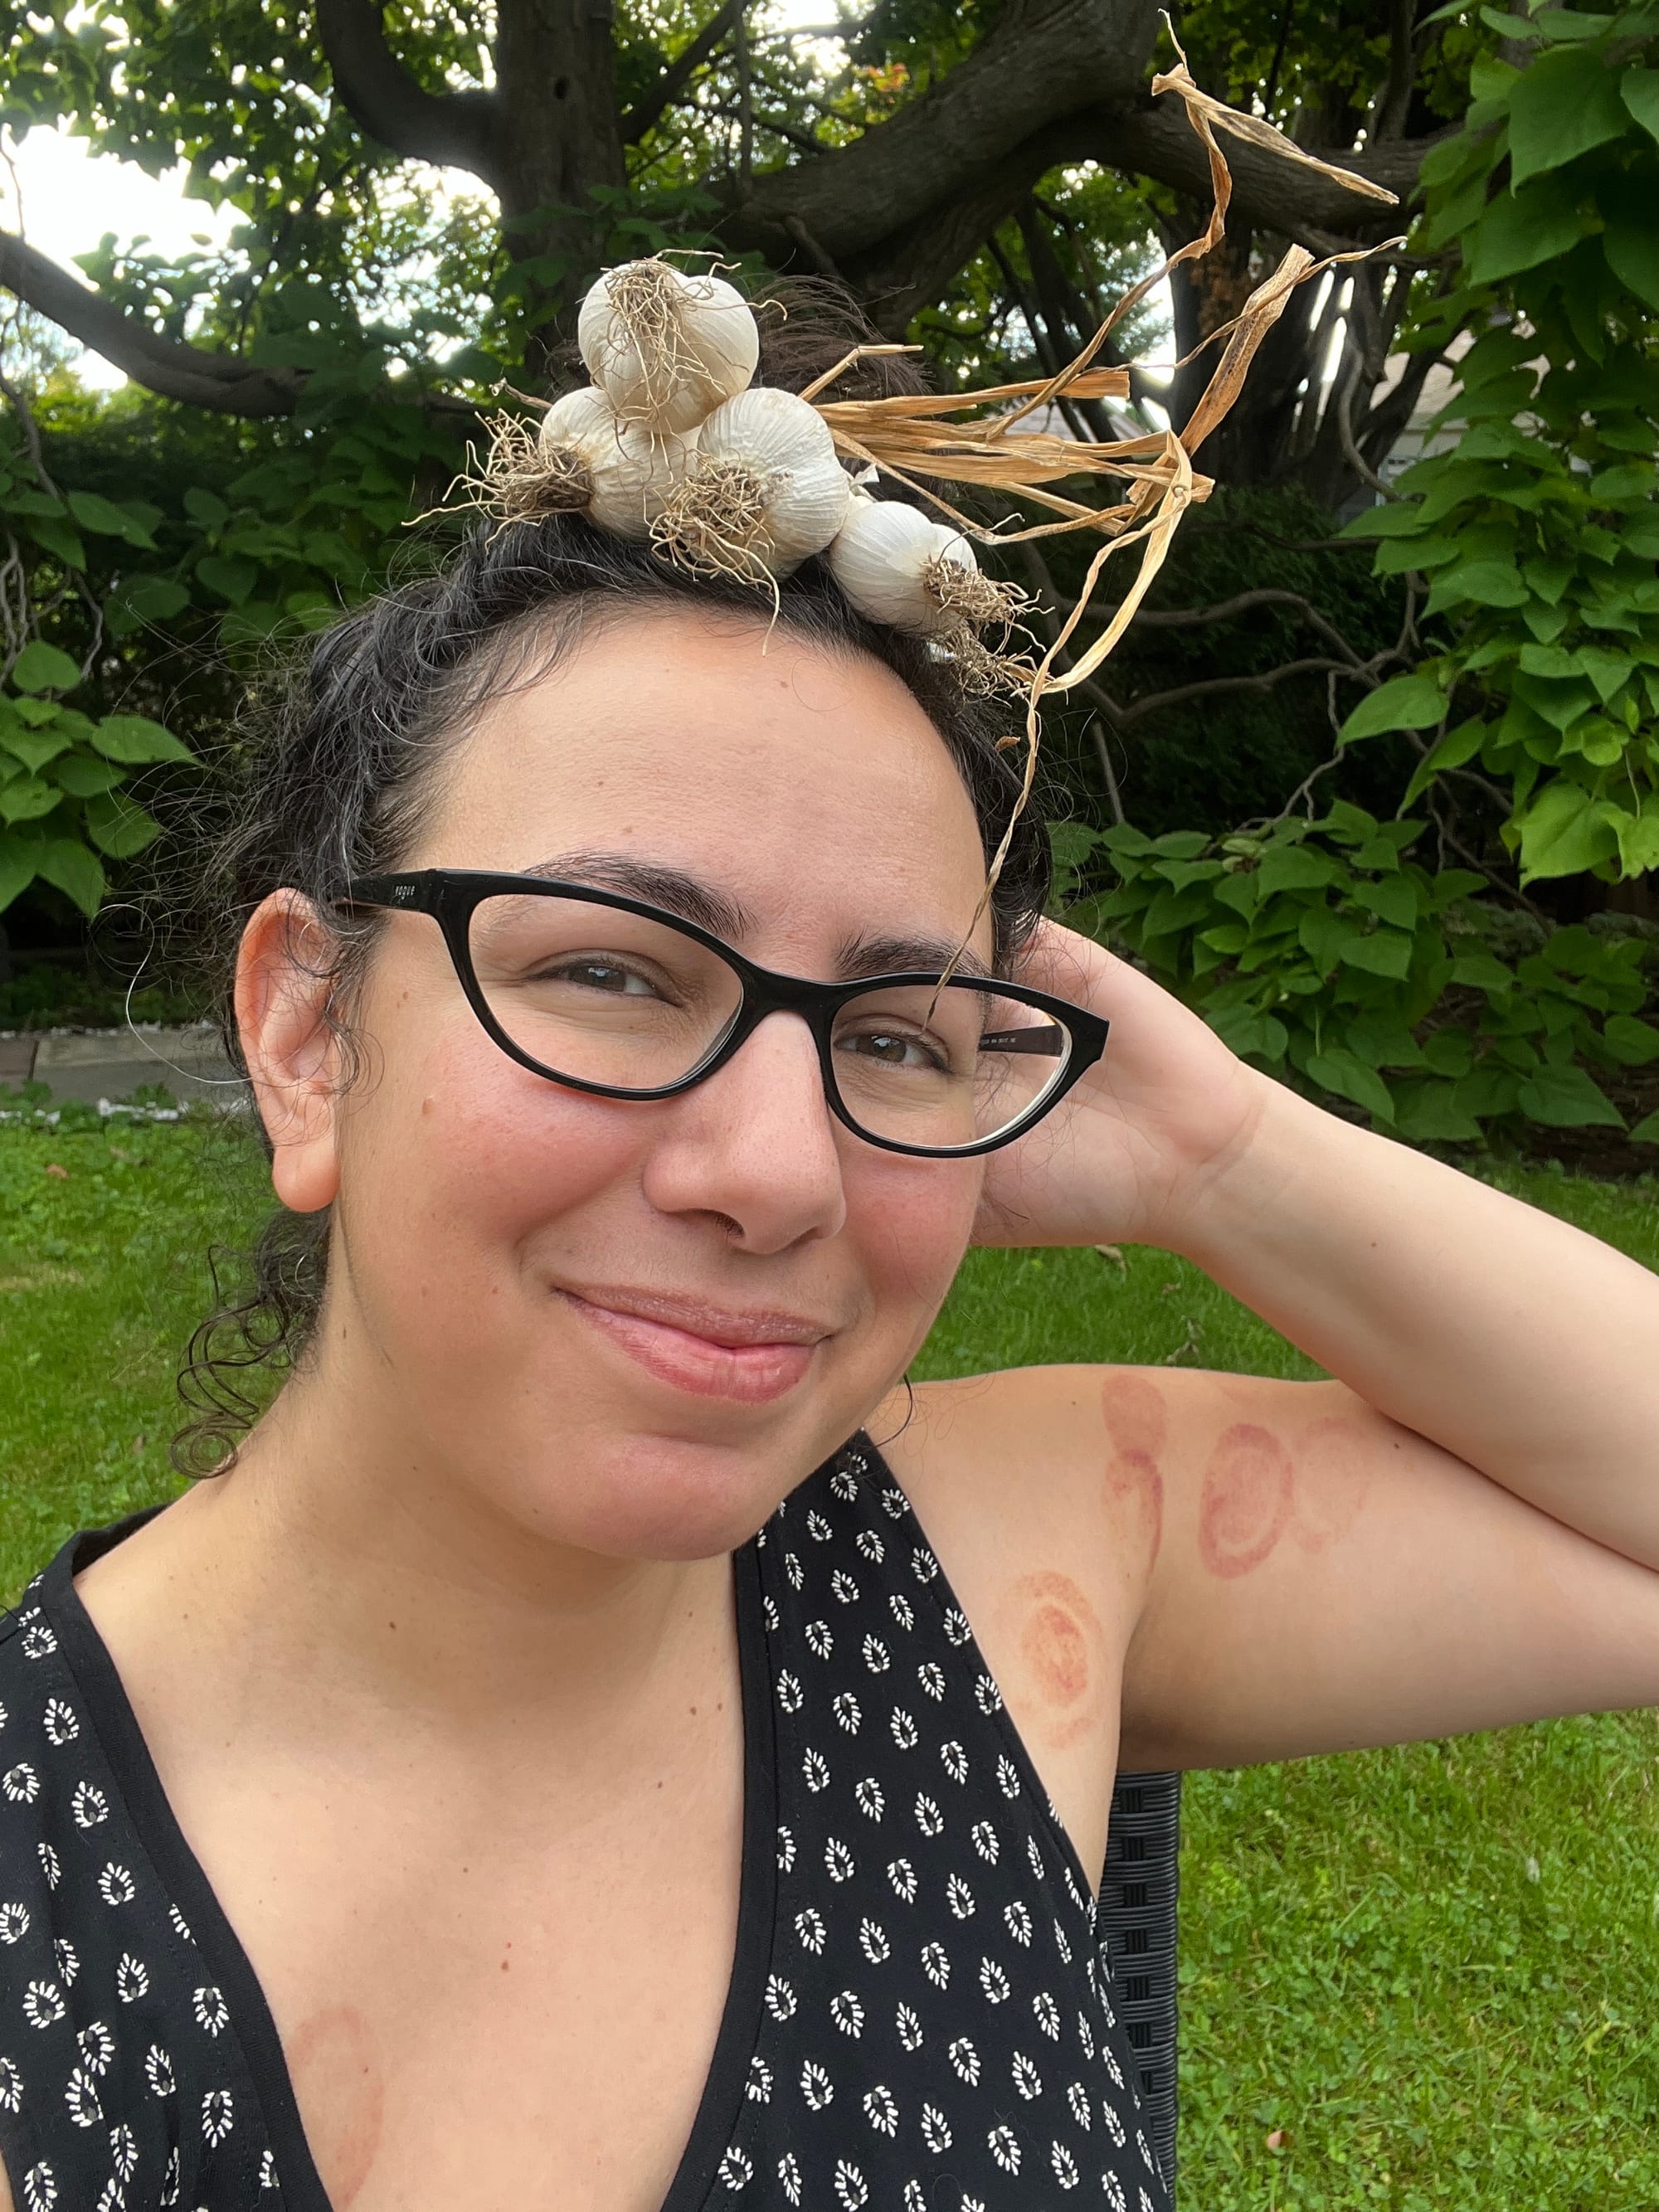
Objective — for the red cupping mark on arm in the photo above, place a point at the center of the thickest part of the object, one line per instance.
(1137, 1423)
(1060, 1636)
(1245, 1505)
(1337, 1464)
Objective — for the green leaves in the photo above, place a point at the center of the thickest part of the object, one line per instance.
(1567, 102)
(1563, 833)
(135, 740)
(43, 668)
(1406, 702)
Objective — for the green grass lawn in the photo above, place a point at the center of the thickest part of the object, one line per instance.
(1436, 1970)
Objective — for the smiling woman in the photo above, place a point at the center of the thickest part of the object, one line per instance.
(594, 1738)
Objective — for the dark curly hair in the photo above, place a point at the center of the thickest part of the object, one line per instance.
(341, 778)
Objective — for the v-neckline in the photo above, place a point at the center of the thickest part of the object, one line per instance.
(186, 1880)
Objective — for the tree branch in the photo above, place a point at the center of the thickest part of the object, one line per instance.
(222, 382)
(451, 128)
(1213, 686)
(647, 114)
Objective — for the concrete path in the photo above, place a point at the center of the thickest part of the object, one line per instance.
(111, 1064)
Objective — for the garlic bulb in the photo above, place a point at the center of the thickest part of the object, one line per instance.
(762, 490)
(618, 473)
(898, 566)
(665, 347)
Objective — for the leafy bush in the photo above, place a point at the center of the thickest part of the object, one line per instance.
(1323, 953)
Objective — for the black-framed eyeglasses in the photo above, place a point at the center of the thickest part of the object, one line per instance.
(605, 993)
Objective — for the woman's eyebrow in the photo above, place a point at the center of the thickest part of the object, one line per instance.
(897, 956)
(672, 889)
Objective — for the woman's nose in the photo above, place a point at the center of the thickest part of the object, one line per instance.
(756, 1142)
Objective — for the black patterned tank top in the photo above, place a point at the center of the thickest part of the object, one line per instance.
(918, 2019)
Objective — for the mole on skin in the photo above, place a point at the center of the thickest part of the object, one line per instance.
(1246, 1502)
(1054, 1638)
(1137, 1422)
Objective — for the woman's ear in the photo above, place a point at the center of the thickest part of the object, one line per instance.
(284, 980)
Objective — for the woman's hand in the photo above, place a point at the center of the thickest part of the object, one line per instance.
(1124, 1155)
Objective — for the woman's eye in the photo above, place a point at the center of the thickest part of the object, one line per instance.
(892, 1048)
(603, 975)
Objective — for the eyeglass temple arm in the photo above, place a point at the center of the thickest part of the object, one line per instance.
(1047, 1039)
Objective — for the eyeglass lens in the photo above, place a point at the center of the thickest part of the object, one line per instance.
(612, 998)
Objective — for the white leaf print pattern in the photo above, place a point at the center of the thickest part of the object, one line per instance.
(877, 1657)
(1017, 1919)
(809, 1926)
(68, 1957)
(80, 2095)
(845, 1707)
(758, 2088)
(790, 1694)
(963, 2057)
(1004, 2146)
(816, 2086)
(1027, 2080)
(1007, 1775)
(851, 2190)
(873, 1942)
(1115, 2196)
(736, 2170)
(881, 2109)
(820, 1641)
(39, 2188)
(838, 1860)
(110, 2198)
(218, 2115)
(936, 1965)
(985, 1841)
(1065, 2165)
(43, 2005)
(931, 1675)
(88, 1806)
(869, 1799)
(842, 1588)
(780, 1997)
(994, 1982)
(914, 2199)
(902, 1610)
(11, 2086)
(905, 1735)
(180, 1928)
(935, 2129)
(817, 1527)
(61, 1722)
(123, 2149)
(131, 1978)
(929, 1818)
(13, 1922)
(50, 1865)
(846, 2013)
(97, 2047)
(158, 2071)
(212, 2013)
(870, 1546)
(267, 2170)
(1078, 2098)
(116, 1884)
(954, 1760)
(902, 1876)
(815, 1772)
(909, 2025)
(1046, 2013)
(789, 2176)
(20, 1784)
(959, 1897)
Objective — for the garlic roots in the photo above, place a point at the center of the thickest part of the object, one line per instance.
(618, 473)
(667, 348)
(764, 489)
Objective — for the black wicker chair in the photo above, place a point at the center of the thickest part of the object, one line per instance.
(1136, 1927)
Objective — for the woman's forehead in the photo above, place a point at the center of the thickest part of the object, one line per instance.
(788, 784)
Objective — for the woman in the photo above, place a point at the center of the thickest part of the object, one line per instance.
(600, 1741)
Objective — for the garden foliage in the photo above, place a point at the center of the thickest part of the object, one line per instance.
(1322, 946)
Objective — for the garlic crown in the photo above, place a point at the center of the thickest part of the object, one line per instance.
(618, 473)
(898, 566)
(666, 348)
(764, 489)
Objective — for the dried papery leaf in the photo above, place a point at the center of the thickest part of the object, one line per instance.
(1256, 132)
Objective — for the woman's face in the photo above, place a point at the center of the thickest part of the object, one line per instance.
(508, 1253)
